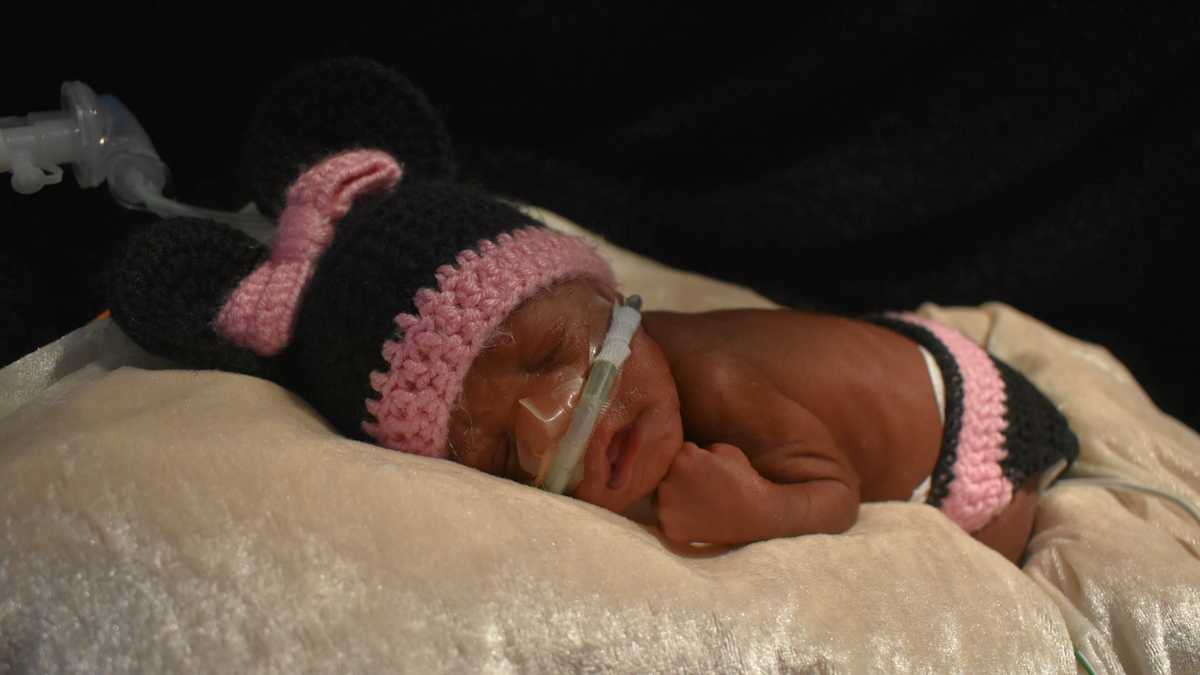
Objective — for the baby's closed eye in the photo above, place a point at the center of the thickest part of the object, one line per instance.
(550, 353)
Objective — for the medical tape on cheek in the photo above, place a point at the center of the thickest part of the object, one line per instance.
(542, 418)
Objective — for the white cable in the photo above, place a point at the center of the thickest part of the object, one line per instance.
(146, 195)
(103, 142)
(1115, 484)
(166, 207)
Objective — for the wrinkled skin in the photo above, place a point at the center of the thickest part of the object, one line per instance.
(543, 342)
(791, 419)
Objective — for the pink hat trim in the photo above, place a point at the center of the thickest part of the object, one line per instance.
(979, 489)
(428, 363)
(261, 312)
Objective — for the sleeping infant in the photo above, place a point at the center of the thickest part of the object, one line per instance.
(748, 425)
(429, 318)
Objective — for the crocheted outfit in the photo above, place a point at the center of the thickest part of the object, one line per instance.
(999, 430)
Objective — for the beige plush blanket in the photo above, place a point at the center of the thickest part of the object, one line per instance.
(179, 521)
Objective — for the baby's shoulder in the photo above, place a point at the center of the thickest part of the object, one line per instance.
(723, 385)
(712, 369)
(737, 358)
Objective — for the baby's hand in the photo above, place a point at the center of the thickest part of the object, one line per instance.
(710, 496)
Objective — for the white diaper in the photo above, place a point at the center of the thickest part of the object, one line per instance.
(921, 493)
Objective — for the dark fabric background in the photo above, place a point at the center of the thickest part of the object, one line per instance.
(854, 156)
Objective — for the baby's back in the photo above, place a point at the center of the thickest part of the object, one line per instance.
(869, 386)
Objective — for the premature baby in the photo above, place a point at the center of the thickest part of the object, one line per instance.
(755, 424)
(424, 316)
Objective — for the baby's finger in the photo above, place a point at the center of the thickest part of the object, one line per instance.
(688, 454)
(724, 449)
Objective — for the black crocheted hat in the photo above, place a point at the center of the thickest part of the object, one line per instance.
(384, 278)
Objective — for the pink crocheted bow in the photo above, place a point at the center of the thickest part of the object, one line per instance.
(261, 312)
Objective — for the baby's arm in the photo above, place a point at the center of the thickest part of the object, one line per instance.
(803, 485)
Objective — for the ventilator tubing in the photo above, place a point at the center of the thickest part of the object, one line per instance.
(103, 142)
(96, 135)
(565, 469)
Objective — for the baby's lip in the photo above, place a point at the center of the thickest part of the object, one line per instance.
(622, 448)
(597, 453)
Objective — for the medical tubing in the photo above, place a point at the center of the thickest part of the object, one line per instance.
(103, 141)
(594, 398)
(572, 446)
(1082, 660)
(1114, 484)
(151, 198)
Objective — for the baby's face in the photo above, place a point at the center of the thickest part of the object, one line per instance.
(541, 347)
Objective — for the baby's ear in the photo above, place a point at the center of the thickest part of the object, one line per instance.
(170, 283)
(336, 105)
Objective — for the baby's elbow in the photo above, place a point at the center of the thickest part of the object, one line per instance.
(839, 512)
(831, 508)
(841, 506)
(847, 513)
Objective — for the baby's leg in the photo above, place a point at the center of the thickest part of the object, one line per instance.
(1008, 533)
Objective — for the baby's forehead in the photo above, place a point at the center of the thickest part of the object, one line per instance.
(573, 299)
(576, 290)
(540, 342)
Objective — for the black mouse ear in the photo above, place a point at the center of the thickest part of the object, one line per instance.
(169, 285)
(335, 105)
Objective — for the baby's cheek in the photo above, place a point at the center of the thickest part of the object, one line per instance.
(463, 442)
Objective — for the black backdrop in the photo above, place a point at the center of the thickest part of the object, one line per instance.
(854, 156)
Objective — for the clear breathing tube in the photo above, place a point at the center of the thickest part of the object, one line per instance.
(562, 469)
(103, 142)
(1116, 484)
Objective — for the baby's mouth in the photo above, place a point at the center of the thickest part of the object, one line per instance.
(620, 456)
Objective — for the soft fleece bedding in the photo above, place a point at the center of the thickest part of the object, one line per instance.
(180, 521)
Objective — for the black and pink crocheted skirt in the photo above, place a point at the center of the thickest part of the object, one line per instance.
(999, 430)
